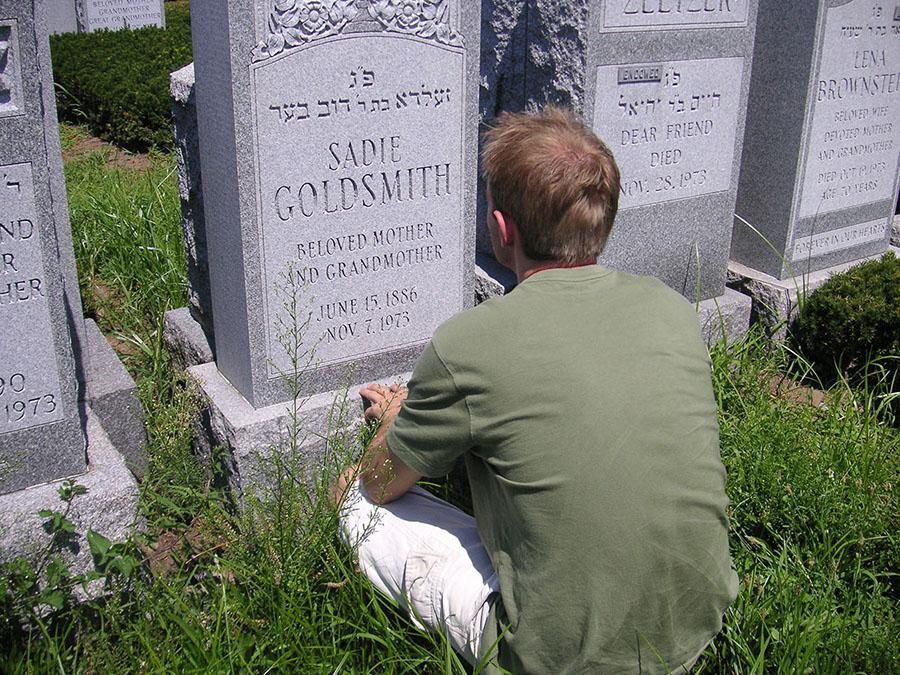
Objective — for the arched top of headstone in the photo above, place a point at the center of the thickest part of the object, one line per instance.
(295, 23)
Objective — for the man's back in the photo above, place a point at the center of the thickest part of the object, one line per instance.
(583, 402)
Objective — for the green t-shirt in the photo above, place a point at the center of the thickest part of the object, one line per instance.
(583, 405)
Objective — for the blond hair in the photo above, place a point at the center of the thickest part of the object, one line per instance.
(557, 181)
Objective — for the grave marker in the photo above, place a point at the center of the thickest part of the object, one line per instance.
(117, 14)
(820, 165)
(338, 146)
(664, 84)
(41, 436)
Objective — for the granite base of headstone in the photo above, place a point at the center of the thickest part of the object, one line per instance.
(819, 174)
(109, 507)
(776, 301)
(257, 438)
(68, 409)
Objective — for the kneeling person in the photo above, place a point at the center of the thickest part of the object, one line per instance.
(582, 404)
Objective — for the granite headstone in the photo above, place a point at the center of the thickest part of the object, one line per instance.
(338, 147)
(820, 165)
(96, 15)
(61, 16)
(664, 83)
(41, 435)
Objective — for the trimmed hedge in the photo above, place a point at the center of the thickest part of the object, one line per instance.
(851, 320)
(117, 82)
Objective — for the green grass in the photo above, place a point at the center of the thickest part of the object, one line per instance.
(814, 514)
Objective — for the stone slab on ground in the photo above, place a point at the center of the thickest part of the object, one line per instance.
(109, 507)
(113, 398)
(726, 316)
(185, 338)
(775, 301)
(250, 436)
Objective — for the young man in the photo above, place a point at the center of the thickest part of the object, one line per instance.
(582, 404)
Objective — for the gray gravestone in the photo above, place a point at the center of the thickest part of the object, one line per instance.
(820, 165)
(664, 84)
(41, 435)
(61, 16)
(67, 405)
(117, 14)
(339, 157)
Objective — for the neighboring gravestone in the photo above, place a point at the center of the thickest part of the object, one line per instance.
(67, 405)
(61, 16)
(820, 166)
(96, 15)
(41, 435)
(664, 83)
(338, 147)
(188, 330)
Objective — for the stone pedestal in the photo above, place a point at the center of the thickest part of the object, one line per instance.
(109, 507)
(321, 430)
(775, 301)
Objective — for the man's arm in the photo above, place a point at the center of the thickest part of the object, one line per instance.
(384, 475)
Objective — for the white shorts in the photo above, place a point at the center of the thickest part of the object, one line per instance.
(427, 556)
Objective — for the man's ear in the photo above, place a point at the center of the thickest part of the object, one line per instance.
(506, 228)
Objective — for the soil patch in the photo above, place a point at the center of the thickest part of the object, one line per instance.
(788, 390)
(116, 158)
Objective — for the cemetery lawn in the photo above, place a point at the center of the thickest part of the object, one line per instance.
(812, 477)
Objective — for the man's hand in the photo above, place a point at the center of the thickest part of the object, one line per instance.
(383, 402)
(384, 475)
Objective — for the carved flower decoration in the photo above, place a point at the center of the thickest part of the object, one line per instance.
(424, 18)
(409, 13)
(296, 22)
(313, 16)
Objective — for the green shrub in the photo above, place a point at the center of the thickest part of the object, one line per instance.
(117, 83)
(851, 324)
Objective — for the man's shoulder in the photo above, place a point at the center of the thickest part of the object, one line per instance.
(474, 320)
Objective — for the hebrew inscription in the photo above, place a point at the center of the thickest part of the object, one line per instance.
(359, 173)
(666, 14)
(10, 73)
(29, 375)
(671, 126)
(853, 147)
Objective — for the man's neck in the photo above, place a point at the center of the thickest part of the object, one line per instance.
(533, 267)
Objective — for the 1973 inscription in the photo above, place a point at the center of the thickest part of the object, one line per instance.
(359, 174)
(671, 126)
(852, 156)
(29, 376)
